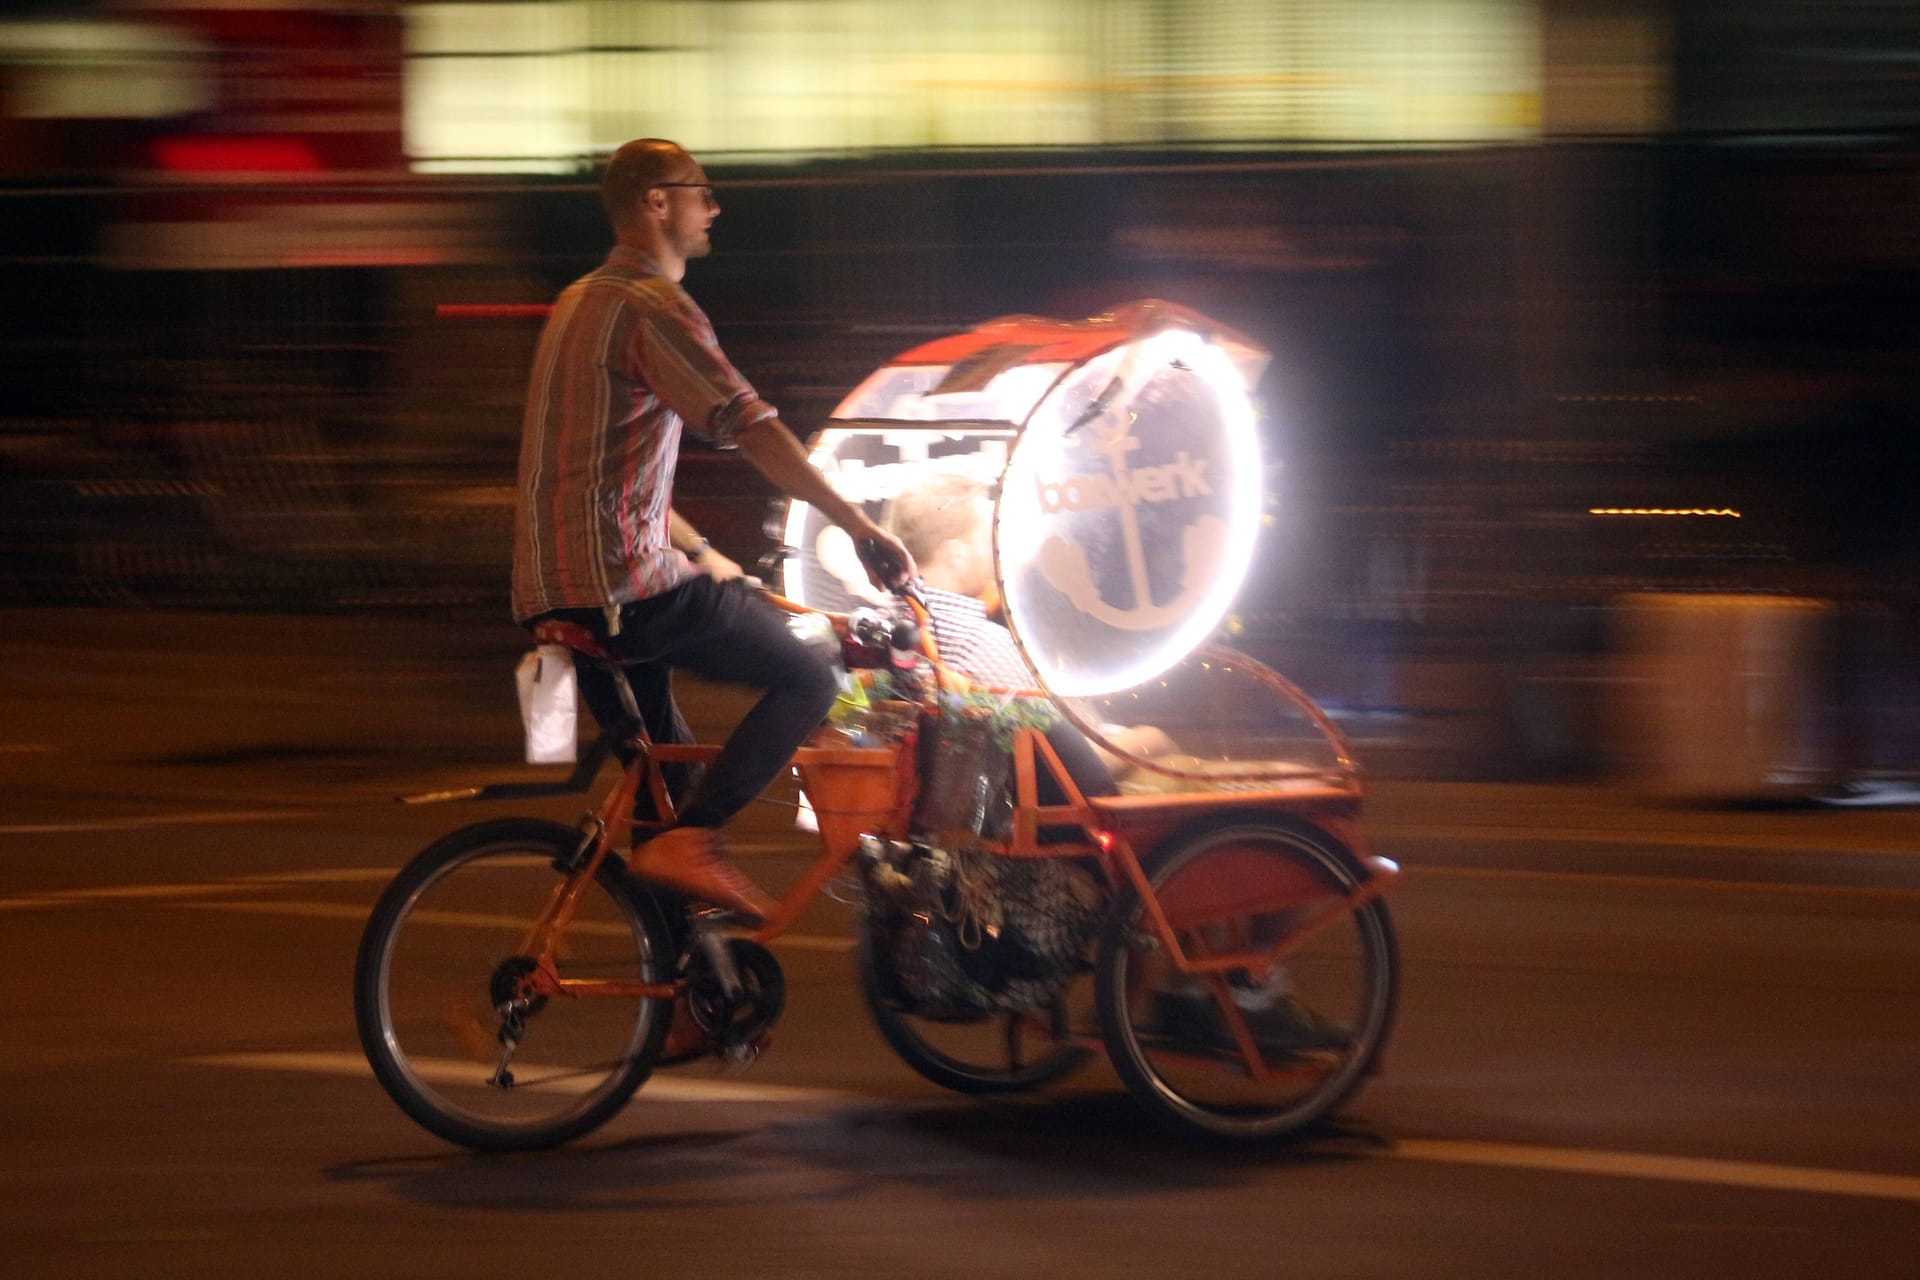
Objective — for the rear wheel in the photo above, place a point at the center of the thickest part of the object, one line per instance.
(435, 998)
(993, 1053)
(1314, 1022)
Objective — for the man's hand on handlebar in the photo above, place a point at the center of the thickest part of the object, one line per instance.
(888, 563)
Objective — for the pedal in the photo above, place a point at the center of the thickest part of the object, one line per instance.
(744, 1054)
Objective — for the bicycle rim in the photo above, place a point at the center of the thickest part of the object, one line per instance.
(428, 984)
(992, 1053)
(1318, 1020)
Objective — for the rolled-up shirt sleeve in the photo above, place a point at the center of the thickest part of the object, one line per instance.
(686, 368)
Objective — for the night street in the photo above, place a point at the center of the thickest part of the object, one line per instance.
(1475, 434)
(1632, 1039)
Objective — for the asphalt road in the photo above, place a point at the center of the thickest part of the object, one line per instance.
(1633, 1040)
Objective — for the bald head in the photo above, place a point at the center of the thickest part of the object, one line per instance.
(640, 164)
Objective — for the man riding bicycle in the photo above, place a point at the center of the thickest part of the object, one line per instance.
(626, 361)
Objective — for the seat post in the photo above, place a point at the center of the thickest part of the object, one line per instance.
(624, 688)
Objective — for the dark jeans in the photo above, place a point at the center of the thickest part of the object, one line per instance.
(652, 688)
(723, 632)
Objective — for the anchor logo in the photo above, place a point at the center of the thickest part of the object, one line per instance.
(1203, 543)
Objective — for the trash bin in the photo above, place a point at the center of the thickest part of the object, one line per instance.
(1722, 695)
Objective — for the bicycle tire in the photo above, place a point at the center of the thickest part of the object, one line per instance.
(443, 928)
(1188, 1073)
(901, 1031)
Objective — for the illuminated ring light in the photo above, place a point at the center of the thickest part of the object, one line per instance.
(824, 454)
(1028, 465)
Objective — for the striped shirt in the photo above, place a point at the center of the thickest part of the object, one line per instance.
(626, 360)
(969, 641)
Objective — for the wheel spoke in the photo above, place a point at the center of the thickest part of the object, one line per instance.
(1264, 1050)
(438, 974)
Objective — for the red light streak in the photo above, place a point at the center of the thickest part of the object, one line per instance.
(490, 310)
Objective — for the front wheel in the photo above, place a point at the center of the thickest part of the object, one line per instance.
(1264, 1050)
(993, 1053)
(435, 979)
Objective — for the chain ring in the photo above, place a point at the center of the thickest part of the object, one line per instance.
(763, 994)
(504, 988)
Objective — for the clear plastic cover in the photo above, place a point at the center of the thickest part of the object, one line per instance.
(1214, 721)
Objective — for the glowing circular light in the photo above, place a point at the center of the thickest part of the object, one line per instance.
(1127, 513)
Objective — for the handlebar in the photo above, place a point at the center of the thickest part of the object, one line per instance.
(880, 560)
(945, 675)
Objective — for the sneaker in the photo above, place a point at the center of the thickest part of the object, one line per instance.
(693, 861)
(1281, 1026)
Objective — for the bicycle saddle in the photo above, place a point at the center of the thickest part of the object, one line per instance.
(573, 636)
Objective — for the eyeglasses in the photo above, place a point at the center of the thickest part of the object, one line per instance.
(704, 188)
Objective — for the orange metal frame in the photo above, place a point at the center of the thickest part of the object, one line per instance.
(1116, 828)
(1106, 842)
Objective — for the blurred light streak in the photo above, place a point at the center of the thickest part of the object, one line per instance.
(1664, 1168)
(490, 310)
(539, 87)
(89, 69)
(214, 155)
(1723, 512)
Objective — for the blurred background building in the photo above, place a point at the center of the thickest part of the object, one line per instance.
(1570, 299)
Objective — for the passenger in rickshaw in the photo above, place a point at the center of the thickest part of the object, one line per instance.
(945, 522)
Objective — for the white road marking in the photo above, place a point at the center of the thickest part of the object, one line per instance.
(1572, 1160)
(446, 1071)
(480, 920)
(118, 893)
(205, 896)
(1632, 1164)
(321, 875)
(1387, 832)
(142, 822)
(1628, 880)
(381, 875)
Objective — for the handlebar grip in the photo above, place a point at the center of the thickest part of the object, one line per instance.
(880, 559)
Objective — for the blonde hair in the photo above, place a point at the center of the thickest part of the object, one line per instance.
(940, 507)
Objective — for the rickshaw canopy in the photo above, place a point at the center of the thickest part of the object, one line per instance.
(1124, 463)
